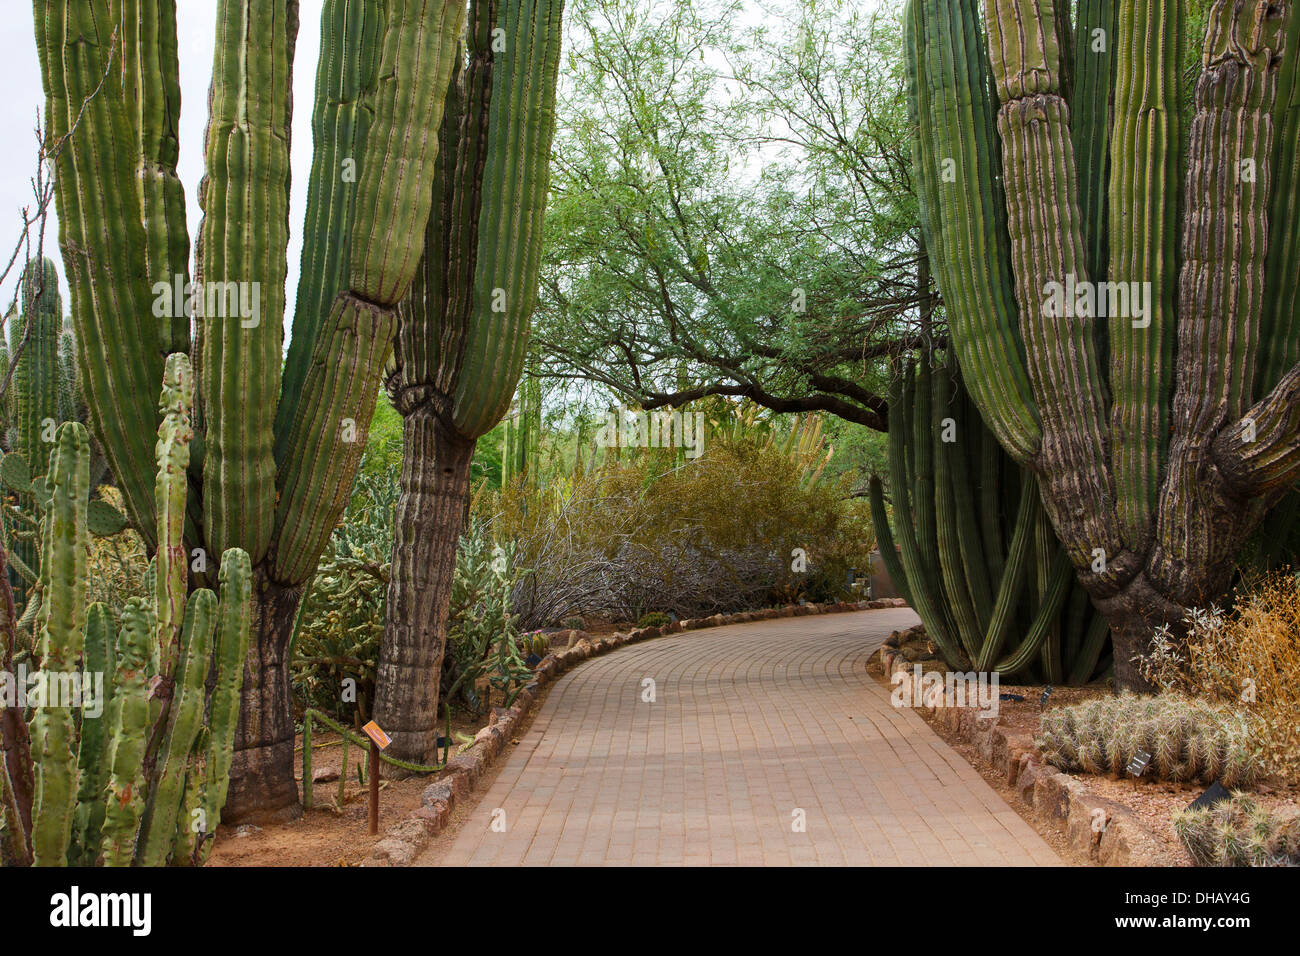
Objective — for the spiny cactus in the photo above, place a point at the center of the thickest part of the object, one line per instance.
(1187, 739)
(973, 582)
(1240, 832)
(139, 776)
(463, 332)
(274, 456)
(1160, 435)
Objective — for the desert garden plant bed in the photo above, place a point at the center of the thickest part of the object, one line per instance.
(1091, 818)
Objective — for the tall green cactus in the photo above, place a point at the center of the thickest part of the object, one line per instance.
(114, 786)
(974, 587)
(36, 382)
(463, 332)
(1162, 435)
(274, 456)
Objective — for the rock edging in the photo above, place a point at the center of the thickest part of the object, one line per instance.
(406, 839)
(1099, 828)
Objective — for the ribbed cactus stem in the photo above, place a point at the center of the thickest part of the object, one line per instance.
(36, 380)
(234, 621)
(62, 622)
(173, 450)
(184, 720)
(462, 338)
(129, 723)
(93, 756)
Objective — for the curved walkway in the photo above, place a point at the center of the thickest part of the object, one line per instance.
(752, 729)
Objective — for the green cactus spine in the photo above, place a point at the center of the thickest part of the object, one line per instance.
(463, 333)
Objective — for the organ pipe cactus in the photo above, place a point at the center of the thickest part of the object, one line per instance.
(463, 332)
(42, 393)
(991, 567)
(274, 454)
(112, 787)
(34, 396)
(1160, 434)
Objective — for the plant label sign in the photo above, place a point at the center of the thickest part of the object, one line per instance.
(1047, 692)
(374, 732)
(1138, 765)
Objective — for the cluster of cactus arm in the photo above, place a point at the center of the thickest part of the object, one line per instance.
(973, 580)
(140, 776)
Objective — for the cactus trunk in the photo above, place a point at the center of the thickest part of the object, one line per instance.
(463, 333)
(429, 522)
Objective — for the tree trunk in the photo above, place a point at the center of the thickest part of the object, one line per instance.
(430, 517)
(262, 785)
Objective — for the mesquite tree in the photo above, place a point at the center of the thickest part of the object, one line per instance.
(463, 331)
(1163, 425)
(274, 455)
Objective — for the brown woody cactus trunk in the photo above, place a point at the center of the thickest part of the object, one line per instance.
(430, 517)
(262, 784)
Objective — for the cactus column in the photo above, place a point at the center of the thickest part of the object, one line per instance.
(274, 457)
(1155, 464)
(463, 332)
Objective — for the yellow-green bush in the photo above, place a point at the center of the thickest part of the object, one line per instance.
(650, 532)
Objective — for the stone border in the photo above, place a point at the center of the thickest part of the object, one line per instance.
(1099, 828)
(406, 839)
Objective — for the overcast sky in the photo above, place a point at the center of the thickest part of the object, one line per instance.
(22, 99)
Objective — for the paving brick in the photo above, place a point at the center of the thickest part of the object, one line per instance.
(749, 723)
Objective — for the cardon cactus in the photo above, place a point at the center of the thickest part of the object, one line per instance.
(463, 332)
(139, 776)
(1137, 352)
(976, 556)
(274, 455)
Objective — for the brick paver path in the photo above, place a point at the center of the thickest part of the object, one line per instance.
(751, 725)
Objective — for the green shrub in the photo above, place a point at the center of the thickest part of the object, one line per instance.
(654, 619)
(482, 639)
(573, 623)
(1187, 739)
(1240, 832)
(342, 617)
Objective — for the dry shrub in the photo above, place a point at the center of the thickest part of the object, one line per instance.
(1248, 659)
(648, 533)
